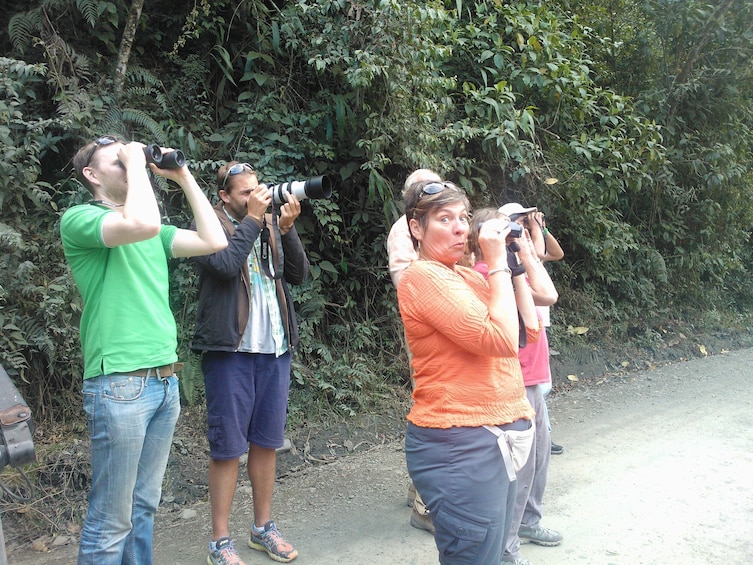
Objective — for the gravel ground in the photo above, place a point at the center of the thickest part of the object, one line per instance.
(657, 469)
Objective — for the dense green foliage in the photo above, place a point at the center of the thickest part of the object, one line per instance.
(639, 108)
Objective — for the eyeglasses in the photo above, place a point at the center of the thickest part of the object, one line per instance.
(100, 142)
(237, 169)
(437, 187)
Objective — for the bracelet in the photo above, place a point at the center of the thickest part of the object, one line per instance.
(500, 270)
(545, 231)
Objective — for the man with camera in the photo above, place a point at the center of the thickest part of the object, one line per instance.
(118, 252)
(246, 329)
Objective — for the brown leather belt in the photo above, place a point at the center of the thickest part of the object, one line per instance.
(163, 371)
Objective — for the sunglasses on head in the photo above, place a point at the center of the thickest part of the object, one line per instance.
(436, 187)
(100, 142)
(236, 169)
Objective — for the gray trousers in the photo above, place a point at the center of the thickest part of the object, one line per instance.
(528, 508)
(462, 478)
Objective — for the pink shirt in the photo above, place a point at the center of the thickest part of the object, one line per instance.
(534, 357)
(534, 360)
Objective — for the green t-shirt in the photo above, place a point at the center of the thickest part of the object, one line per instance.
(127, 323)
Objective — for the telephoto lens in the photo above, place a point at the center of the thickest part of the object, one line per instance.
(170, 160)
(316, 187)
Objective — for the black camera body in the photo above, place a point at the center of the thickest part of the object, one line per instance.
(170, 160)
(316, 187)
(16, 426)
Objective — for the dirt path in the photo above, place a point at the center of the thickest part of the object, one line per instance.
(657, 469)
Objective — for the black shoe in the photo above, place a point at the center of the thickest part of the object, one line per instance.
(557, 449)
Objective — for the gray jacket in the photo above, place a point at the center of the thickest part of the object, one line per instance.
(225, 286)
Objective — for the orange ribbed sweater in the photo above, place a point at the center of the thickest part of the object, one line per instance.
(466, 371)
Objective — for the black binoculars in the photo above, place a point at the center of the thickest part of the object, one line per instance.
(516, 230)
(170, 160)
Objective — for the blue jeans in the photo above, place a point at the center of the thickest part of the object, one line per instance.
(131, 422)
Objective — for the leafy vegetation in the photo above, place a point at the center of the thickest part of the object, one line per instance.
(639, 109)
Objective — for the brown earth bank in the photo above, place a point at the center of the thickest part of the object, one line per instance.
(51, 519)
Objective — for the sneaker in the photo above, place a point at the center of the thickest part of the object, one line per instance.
(411, 495)
(272, 542)
(539, 536)
(518, 561)
(557, 449)
(422, 521)
(225, 554)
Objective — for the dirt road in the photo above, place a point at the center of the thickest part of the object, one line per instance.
(657, 469)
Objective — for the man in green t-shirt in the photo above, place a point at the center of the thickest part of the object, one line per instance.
(117, 250)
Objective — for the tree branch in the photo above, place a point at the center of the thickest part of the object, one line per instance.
(126, 43)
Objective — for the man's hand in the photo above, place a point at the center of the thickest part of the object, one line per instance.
(258, 201)
(132, 154)
(181, 175)
(288, 213)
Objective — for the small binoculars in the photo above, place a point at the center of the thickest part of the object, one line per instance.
(170, 160)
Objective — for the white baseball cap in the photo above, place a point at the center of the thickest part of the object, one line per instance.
(512, 209)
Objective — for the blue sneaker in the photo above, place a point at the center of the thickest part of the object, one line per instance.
(271, 541)
(225, 554)
(539, 536)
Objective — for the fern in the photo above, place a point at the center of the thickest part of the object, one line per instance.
(13, 359)
(149, 94)
(90, 10)
(144, 121)
(112, 122)
(23, 27)
(140, 75)
(38, 339)
(192, 380)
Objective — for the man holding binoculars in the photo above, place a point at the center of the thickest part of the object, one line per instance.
(118, 250)
(246, 329)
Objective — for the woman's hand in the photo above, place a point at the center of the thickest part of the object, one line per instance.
(492, 239)
(527, 249)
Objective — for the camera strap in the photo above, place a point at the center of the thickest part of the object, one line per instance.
(277, 253)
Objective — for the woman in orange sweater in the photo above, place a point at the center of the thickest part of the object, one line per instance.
(463, 333)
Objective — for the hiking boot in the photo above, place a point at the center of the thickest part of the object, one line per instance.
(539, 536)
(557, 449)
(411, 495)
(225, 554)
(271, 541)
(422, 521)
